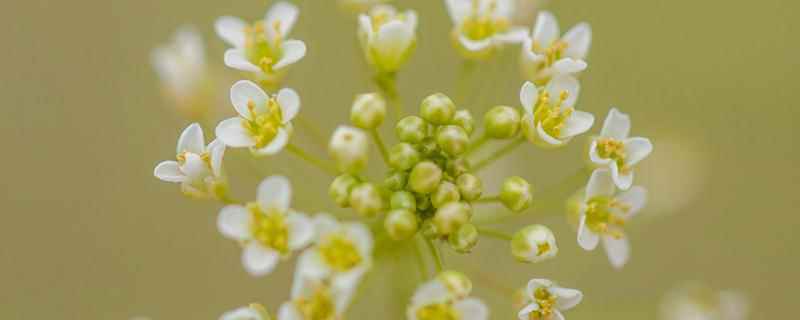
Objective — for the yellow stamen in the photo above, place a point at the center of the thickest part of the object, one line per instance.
(438, 311)
(269, 228)
(339, 252)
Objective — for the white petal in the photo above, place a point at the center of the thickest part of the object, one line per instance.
(190, 45)
(556, 315)
(474, 45)
(618, 250)
(194, 167)
(235, 58)
(285, 14)
(515, 35)
(587, 239)
(276, 145)
(275, 192)
(293, 51)
(169, 171)
(458, 9)
(636, 149)
(191, 140)
(579, 122)
(324, 223)
(472, 309)
(578, 40)
(524, 313)
(392, 41)
(289, 101)
(287, 311)
(564, 83)
(622, 180)
(568, 66)
(243, 313)
(234, 222)
(245, 91)
(411, 19)
(635, 198)
(430, 292)
(231, 29)
(600, 184)
(231, 132)
(567, 298)
(365, 25)
(361, 236)
(528, 96)
(616, 126)
(534, 284)
(259, 260)
(310, 270)
(547, 138)
(545, 31)
(531, 58)
(595, 157)
(216, 150)
(301, 230)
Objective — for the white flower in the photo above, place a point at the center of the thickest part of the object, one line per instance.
(545, 300)
(316, 300)
(264, 122)
(251, 312)
(262, 48)
(481, 26)
(551, 119)
(615, 150)
(534, 243)
(697, 302)
(198, 167)
(267, 229)
(545, 55)
(181, 66)
(434, 300)
(387, 37)
(603, 213)
(349, 147)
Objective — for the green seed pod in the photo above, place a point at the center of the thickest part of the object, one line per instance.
(516, 194)
(396, 181)
(340, 188)
(425, 177)
(456, 282)
(469, 186)
(502, 122)
(464, 239)
(446, 192)
(366, 200)
(437, 109)
(534, 243)
(368, 111)
(463, 118)
(451, 216)
(401, 224)
(403, 156)
(411, 129)
(452, 139)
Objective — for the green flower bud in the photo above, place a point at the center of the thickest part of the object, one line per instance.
(456, 282)
(349, 147)
(403, 200)
(428, 147)
(534, 243)
(340, 188)
(423, 202)
(516, 194)
(403, 156)
(425, 177)
(446, 192)
(464, 239)
(457, 167)
(451, 216)
(452, 139)
(411, 129)
(502, 122)
(366, 200)
(463, 118)
(437, 109)
(396, 181)
(368, 111)
(469, 186)
(401, 224)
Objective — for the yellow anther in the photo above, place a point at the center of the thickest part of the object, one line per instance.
(181, 157)
(542, 248)
(438, 311)
(266, 64)
(269, 228)
(339, 252)
(546, 302)
(319, 306)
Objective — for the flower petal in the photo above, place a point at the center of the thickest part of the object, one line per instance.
(191, 140)
(636, 149)
(169, 171)
(545, 31)
(301, 230)
(289, 101)
(285, 14)
(567, 298)
(280, 140)
(472, 309)
(275, 192)
(391, 43)
(231, 29)
(578, 40)
(324, 223)
(524, 313)
(231, 132)
(547, 138)
(259, 260)
(595, 157)
(617, 125)
(234, 222)
(288, 311)
(587, 239)
(635, 198)
(474, 45)
(216, 150)
(243, 313)
(579, 122)
(515, 35)
(430, 292)
(569, 66)
(618, 251)
(235, 58)
(361, 236)
(458, 9)
(194, 167)
(534, 284)
(623, 180)
(528, 96)
(600, 184)
(556, 315)
(564, 83)
(293, 51)
(244, 92)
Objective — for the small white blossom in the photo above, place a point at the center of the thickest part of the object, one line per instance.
(262, 48)
(545, 300)
(547, 54)
(198, 167)
(551, 119)
(387, 37)
(349, 147)
(481, 26)
(436, 300)
(603, 214)
(264, 121)
(268, 229)
(534, 243)
(697, 302)
(181, 66)
(251, 312)
(615, 150)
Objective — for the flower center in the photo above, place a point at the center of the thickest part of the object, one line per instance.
(551, 114)
(382, 15)
(262, 48)
(319, 306)
(552, 53)
(438, 311)
(612, 149)
(546, 302)
(205, 156)
(263, 127)
(339, 252)
(600, 218)
(269, 228)
(481, 25)
(542, 248)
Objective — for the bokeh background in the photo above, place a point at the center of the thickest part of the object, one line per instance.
(89, 233)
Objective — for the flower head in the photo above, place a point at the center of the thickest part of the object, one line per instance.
(534, 243)
(387, 36)
(547, 54)
(615, 150)
(268, 228)
(198, 167)
(262, 48)
(603, 214)
(442, 298)
(181, 67)
(481, 26)
(551, 119)
(545, 300)
(253, 311)
(264, 121)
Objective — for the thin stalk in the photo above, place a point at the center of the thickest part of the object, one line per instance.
(495, 234)
(387, 83)
(491, 199)
(376, 136)
(477, 144)
(423, 269)
(312, 160)
(498, 154)
(437, 257)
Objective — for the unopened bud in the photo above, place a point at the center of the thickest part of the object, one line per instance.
(469, 186)
(349, 147)
(411, 129)
(403, 156)
(452, 139)
(446, 192)
(401, 224)
(437, 109)
(502, 122)
(403, 200)
(451, 216)
(368, 111)
(463, 118)
(464, 239)
(425, 177)
(534, 243)
(396, 181)
(516, 194)
(456, 283)
(366, 200)
(340, 188)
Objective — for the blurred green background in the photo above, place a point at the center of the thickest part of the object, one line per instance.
(89, 233)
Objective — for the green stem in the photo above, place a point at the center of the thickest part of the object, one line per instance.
(498, 154)
(495, 234)
(423, 269)
(387, 83)
(464, 81)
(376, 136)
(490, 199)
(477, 144)
(437, 257)
(314, 161)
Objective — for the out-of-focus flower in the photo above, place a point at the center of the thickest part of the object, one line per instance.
(482, 26)
(603, 214)
(268, 228)
(547, 54)
(315, 300)
(262, 48)
(696, 302)
(534, 243)
(615, 150)
(198, 167)
(264, 121)
(446, 297)
(551, 119)
(545, 300)
(253, 311)
(181, 66)
(387, 37)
